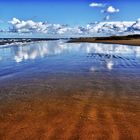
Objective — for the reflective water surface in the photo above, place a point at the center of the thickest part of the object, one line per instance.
(57, 57)
(69, 91)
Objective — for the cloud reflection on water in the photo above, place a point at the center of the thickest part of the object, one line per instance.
(101, 54)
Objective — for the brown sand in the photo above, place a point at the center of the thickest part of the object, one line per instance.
(94, 109)
(80, 117)
(133, 42)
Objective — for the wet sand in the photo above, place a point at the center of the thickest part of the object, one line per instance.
(61, 91)
(59, 107)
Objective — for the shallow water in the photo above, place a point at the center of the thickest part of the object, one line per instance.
(57, 90)
(60, 57)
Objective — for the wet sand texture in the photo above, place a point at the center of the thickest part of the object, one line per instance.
(63, 91)
(47, 110)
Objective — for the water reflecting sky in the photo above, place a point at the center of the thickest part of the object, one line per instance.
(61, 57)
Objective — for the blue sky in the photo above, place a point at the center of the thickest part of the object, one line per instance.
(73, 12)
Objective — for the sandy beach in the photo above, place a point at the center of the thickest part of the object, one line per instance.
(133, 40)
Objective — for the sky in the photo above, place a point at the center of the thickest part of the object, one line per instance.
(71, 12)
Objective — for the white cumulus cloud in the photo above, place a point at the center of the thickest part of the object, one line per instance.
(95, 4)
(136, 25)
(112, 9)
(93, 29)
(30, 26)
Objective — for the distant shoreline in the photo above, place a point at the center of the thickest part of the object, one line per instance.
(8, 41)
(123, 40)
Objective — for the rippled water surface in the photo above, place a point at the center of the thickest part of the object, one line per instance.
(60, 57)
